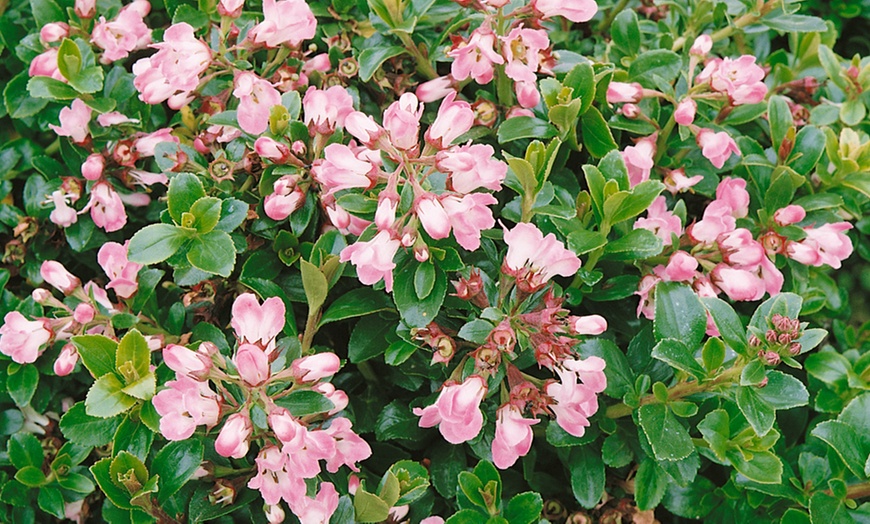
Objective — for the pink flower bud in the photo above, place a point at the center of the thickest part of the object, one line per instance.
(402, 121)
(769, 357)
(618, 92)
(353, 484)
(231, 8)
(84, 313)
(385, 215)
(232, 441)
(66, 361)
(274, 514)
(315, 367)
(186, 362)
(702, 45)
(92, 168)
(527, 94)
(681, 267)
(629, 111)
(272, 149)
(789, 215)
(54, 32)
(588, 325)
(85, 8)
(433, 217)
(363, 127)
(41, 295)
(684, 114)
(55, 274)
(435, 89)
(252, 364)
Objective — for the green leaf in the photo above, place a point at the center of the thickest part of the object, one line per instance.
(18, 101)
(659, 62)
(694, 501)
(133, 437)
(133, 348)
(625, 32)
(97, 353)
(47, 87)
(596, 133)
(620, 377)
(233, 213)
(650, 484)
(846, 442)
(472, 487)
(780, 118)
(825, 509)
(524, 508)
(467, 516)
(418, 313)
(212, 252)
(315, 285)
(587, 475)
(356, 303)
(762, 466)
(155, 243)
(101, 472)
(794, 23)
(50, 500)
(786, 304)
(581, 79)
(105, 398)
(77, 483)
(85, 430)
(389, 490)
(780, 193)
(713, 354)
(30, 476)
(46, 11)
(369, 508)
(678, 355)
(368, 338)
(397, 422)
(525, 127)
(638, 244)
(757, 411)
(190, 15)
(413, 481)
(69, 59)
(679, 314)
(783, 391)
(612, 166)
(424, 279)
(25, 450)
(143, 388)
(125, 462)
(372, 58)
(559, 438)
(202, 509)
(728, 323)
(581, 242)
(184, 190)
(21, 385)
(207, 212)
(624, 205)
(175, 464)
(668, 438)
(305, 402)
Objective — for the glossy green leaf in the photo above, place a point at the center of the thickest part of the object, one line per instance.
(155, 243)
(105, 398)
(176, 463)
(587, 475)
(212, 252)
(372, 58)
(97, 353)
(668, 438)
(679, 314)
(21, 385)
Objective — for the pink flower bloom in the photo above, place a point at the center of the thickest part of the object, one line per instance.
(346, 223)
(22, 339)
(527, 94)
(733, 192)
(455, 118)
(287, 198)
(256, 98)
(573, 10)
(772, 277)
(717, 147)
(433, 216)
(660, 221)
(84, 313)
(402, 121)
(618, 92)
(45, 64)
(646, 305)
(232, 441)
(471, 167)
(533, 258)
(435, 89)
(475, 58)
(62, 215)
(92, 168)
(231, 8)
(124, 34)
(522, 49)
(74, 121)
(588, 325)
(113, 118)
(373, 259)
(338, 397)
(85, 8)
(457, 411)
(742, 79)
(701, 46)
(681, 267)
(107, 210)
(342, 169)
(363, 128)
(676, 181)
(256, 324)
(684, 114)
(576, 402)
(326, 109)
(349, 447)
(273, 479)
(513, 436)
(315, 367)
(739, 248)
(193, 364)
(717, 220)
(738, 284)
(317, 510)
(55, 274)
(173, 72)
(54, 32)
(827, 244)
(122, 273)
(285, 21)
(469, 216)
(639, 160)
(186, 403)
(789, 215)
(66, 361)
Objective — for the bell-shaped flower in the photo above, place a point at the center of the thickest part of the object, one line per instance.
(457, 411)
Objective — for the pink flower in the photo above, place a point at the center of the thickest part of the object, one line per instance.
(194, 364)
(435, 89)
(522, 48)
(738, 284)
(475, 58)
(62, 215)
(54, 32)
(576, 402)
(469, 216)
(84, 313)
(646, 304)
(232, 441)
(338, 397)
(287, 198)
(287, 428)
(588, 325)
(789, 215)
(22, 339)
(618, 92)
(827, 244)
(684, 114)
(317, 510)
(107, 209)
(363, 128)
(471, 167)
(274, 513)
(74, 121)
(739, 248)
(402, 121)
(315, 367)
(660, 221)
(326, 109)
(742, 79)
(113, 118)
(373, 259)
(533, 258)
(45, 64)
(676, 181)
(273, 479)
(256, 324)
(349, 447)
(124, 34)
(122, 273)
(513, 436)
(186, 403)
(256, 98)
(433, 216)
(457, 411)
(639, 160)
(231, 8)
(66, 361)
(527, 94)
(285, 21)
(55, 274)
(717, 147)
(717, 220)
(92, 168)
(733, 192)
(85, 8)
(455, 118)
(681, 267)
(342, 169)
(173, 72)
(573, 10)
(701, 46)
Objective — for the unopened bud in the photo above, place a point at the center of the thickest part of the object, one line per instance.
(771, 358)
(795, 348)
(754, 341)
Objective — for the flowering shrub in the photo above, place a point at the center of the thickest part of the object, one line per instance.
(424, 261)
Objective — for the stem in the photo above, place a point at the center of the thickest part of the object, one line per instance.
(855, 491)
(662, 142)
(310, 330)
(272, 66)
(424, 66)
(608, 20)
